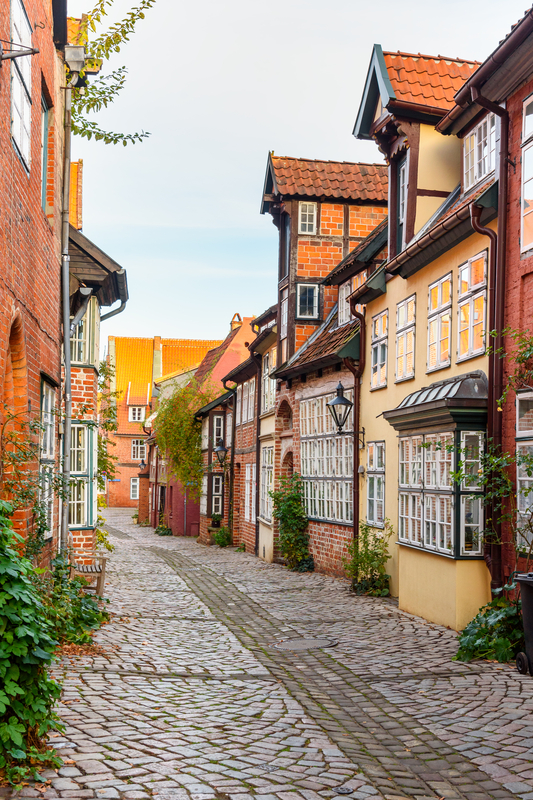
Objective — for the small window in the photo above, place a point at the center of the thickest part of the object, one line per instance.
(307, 218)
(47, 421)
(375, 484)
(267, 480)
(218, 429)
(138, 449)
(78, 342)
(238, 413)
(479, 151)
(472, 307)
(134, 488)
(136, 413)
(217, 486)
(307, 303)
(251, 399)
(203, 496)
(439, 319)
(402, 203)
(205, 433)
(344, 313)
(378, 375)
(405, 339)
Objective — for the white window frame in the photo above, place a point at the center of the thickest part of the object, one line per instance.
(403, 189)
(379, 348)
(307, 218)
(267, 482)
(83, 482)
(284, 313)
(344, 313)
(405, 338)
(217, 494)
(316, 297)
(527, 154)
(79, 342)
(469, 298)
(251, 400)
(134, 488)
(136, 413)
(205, 433)
(218, 428)
(480, 161)
(203, 496)
(247, 492)
(48, 401)
(21, 69)
(436, 317)
(138, 450)
(375, 484)
(268, 386)
(238, 410)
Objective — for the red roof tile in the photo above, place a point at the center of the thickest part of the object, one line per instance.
(336, 179)
(427, 80)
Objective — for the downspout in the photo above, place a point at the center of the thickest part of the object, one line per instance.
(497, 303)
(65, 280)
(356, 372)
(232, 457)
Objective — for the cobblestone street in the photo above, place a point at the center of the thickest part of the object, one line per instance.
(193, 696)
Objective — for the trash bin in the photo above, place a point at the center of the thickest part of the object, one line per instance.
(524, 661)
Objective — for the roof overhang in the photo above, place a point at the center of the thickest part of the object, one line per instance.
(265, 340)
(504, 71)
(243, 372)
(444, 235)
(95, 269)
(219, 401)
(377, 85)
(349, 349)
(270, 187)
(374, 287)
(358, 259)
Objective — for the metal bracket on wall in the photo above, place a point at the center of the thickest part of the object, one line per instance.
(9, 53)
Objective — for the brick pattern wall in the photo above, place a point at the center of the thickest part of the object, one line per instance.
(245, 454)
(363, 219)
(331, 219)
(30, 236)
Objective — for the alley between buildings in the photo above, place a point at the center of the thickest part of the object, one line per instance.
(193, 694)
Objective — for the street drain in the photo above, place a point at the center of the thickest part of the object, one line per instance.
(308, 643)
(342, 790)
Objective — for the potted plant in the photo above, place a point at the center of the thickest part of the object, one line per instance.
(216, 519)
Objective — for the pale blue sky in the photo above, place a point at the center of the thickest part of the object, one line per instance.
(218, 85)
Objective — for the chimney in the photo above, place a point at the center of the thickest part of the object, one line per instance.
(236, 322)
(157, 363)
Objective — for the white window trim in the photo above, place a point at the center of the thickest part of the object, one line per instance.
(469, 297)
(377, 343)
(373, 473)
(492, 157)
(132, 413)
(402, 332)
(344, 313)
(526, 148)
(134, 488)
(527, 434)
(437, 314)
(21, 89)
(316, 300)
(138, 450)
(267, 482)
(218, 428)
(217, 494)
(301, 211)
(203, 496)
(403, 166)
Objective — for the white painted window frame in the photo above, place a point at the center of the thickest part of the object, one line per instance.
(21, 88)
(474, 170)
(217, 494)
(436, 315)
(134, 488)
(136, 413)
(316, 297)
(138, 450)
(306, 226)
(267, 482)
(403, 332)
(379, 343)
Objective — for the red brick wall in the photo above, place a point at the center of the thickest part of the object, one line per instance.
(29, 237)
(118, 491)
(331, 219)
(363, 219)
(245, 454)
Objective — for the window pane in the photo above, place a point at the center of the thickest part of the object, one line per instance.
(463, 280)
(477, 274)
(478, 323)
(528, 120)
(307, 301)
(528, 222)
(525, 413)
(464, 321)
(446, 291)
(434, 298)
(444, 338)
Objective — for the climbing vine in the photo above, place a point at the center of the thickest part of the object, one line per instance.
(178, 432)
(108, 423)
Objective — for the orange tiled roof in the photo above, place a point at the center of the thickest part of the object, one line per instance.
(427, 80)
(336, 179)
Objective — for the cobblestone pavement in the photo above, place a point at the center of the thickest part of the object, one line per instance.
(196, 698)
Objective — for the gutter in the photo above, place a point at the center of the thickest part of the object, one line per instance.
(122, 293)
(356, 372)
(497, 302)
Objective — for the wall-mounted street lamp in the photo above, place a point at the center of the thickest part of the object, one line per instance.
(339, 408)
(221, 452)
(142, 465)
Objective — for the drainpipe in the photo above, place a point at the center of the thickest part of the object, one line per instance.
(232, 458)
(498, 243)
(65, 280)
(356, 372)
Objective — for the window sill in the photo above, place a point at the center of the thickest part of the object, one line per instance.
(331, 522)
(430, 552)
(265, 521)
(470, 357)
(437, 369)
(407, 378)
(381, 526)
(307, 319)
(377, 388)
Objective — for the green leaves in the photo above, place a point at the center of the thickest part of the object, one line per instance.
(288, 508)
(496, 632)
(368, 556)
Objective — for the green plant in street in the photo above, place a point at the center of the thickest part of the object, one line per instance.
(367, 560)
(222, 537)
(288, 509)
(102, 536)
(107, 423)
(27, 694)
(178, 432)
(103, 90)
(163, 530)
(71, 613)
(496, 632)
(241, 548)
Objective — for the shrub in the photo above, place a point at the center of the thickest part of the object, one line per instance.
(163, 530)
(71, 613)
(27, 694)
(222, 537)
(288, 509)
(368, 555)
(496, 632)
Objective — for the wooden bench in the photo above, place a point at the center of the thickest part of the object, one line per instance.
(94, 569)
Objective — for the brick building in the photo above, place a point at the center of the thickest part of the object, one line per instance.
(139, 363)
(31, 147)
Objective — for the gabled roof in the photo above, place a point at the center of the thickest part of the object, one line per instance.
(219, 361)
(335, 180)
(364, 253)
(328, 346)
(422, 85)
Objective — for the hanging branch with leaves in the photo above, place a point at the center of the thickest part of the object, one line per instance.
(103, 90)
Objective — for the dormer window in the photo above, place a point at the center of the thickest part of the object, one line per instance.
(136, 413)
(307, 218)
(479, 151)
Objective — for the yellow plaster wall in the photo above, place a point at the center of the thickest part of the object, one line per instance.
(266, 542)
(439, 168)
(374, 403)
